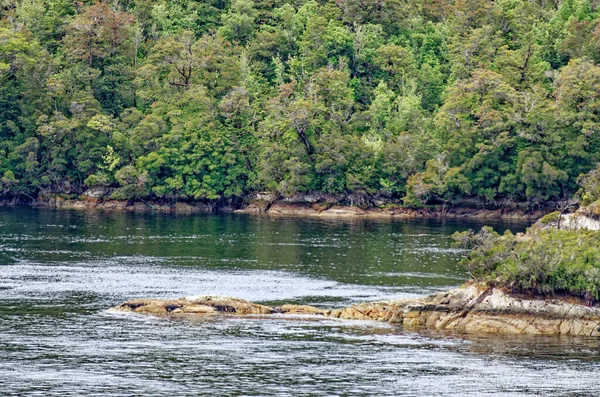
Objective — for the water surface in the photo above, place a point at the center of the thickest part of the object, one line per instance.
(60, 270)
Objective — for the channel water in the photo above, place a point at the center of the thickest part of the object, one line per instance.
(61, 270)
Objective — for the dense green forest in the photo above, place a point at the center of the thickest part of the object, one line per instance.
(416, 101)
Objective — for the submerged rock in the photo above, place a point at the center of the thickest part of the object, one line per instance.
(469, 309)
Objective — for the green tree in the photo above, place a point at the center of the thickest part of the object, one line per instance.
(238, 23)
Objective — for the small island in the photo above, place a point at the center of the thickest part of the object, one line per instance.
(543, 282)
(469, 309)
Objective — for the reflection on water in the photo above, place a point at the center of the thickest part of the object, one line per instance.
(60, 270)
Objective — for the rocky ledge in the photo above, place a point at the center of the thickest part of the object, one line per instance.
(213, 305)
(95, 201)
(469, 309)
(324, 210)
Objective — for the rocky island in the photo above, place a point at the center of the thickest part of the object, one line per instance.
(543, 282)
(469, 309)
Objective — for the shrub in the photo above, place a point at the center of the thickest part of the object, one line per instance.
(543, 262)
(550, 218)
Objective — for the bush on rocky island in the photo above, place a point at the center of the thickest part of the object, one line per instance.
(543, 262)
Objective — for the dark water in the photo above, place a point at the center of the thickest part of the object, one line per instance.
(59, 271)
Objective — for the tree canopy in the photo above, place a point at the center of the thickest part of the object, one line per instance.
(418, 102)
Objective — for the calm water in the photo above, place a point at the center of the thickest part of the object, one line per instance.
(60, 270)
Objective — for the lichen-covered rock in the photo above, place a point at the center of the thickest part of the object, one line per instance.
(469, 309)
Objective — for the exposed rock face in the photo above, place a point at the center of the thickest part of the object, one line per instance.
(283, 208)
(93, 200)
(475, 310)
(575, 221)
(470, 309)
(210, 305)
(321, 205)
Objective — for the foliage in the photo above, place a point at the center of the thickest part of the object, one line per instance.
(550, 218)
(426, 102)
(543, 262)
(590, 186)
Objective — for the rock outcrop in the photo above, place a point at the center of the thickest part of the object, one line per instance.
(283, 208)
(211, 305)
(580, 220)
(474, 309)
(310, 207)
(92, 202)
(469, 309)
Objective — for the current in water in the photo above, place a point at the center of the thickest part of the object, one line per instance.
(61, 270)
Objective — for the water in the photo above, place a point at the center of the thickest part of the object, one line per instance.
(61, 270)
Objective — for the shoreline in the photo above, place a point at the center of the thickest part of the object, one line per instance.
(283, 209)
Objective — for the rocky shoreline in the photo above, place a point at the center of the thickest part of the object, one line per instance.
(469, 309)
(94, 203)
(280, 208)
(283, 208)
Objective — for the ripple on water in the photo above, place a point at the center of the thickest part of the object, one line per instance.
(66, 268)
(129, 277)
